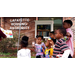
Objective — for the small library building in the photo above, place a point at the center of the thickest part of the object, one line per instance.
(32, 26)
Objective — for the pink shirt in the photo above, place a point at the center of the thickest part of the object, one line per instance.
(70, 41)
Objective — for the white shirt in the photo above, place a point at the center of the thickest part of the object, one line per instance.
(65, 54)
(24, 53)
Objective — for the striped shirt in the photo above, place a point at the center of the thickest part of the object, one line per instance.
(60, 47)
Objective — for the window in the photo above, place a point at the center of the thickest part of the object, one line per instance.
(57, 21)
(43, 28)
(46, 24)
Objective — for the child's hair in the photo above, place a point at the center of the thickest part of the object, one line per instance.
(69, 22)
(39, 36)
(24, 41)
(62, 30)
(52, 32)
(25, 38)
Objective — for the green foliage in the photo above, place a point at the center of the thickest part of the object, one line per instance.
(7, 44)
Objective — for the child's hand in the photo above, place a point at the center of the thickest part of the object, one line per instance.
(51, 42)
(68, 34)
(57, 57)
(33, 46)
(43, 47)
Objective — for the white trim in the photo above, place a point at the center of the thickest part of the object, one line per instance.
(51, 22)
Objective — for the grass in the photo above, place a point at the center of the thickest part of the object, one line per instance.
(4, 53)
(13, 54)
(10, 55)
(32, 56)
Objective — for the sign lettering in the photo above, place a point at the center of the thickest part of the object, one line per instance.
(15, 23)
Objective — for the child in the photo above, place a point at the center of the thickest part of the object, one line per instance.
(61, 48)
(49, 51)
(52, 35)
(67, 25)
(39, 47)
(24, 52)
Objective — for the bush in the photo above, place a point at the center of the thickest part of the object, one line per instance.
(7, 44)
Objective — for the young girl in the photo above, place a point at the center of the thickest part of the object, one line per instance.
(39, 47)
(24, 52)
(49, 50)
(67, 25)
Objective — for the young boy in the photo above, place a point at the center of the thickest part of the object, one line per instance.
(61, 48)
(39, 46)
(24, 52)
(52, 35)
(67, 25)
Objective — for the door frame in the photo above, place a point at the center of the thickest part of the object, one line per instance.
(51, 22)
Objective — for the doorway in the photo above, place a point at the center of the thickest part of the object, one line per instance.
(43, 27)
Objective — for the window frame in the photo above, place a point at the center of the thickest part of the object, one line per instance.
(44, 22)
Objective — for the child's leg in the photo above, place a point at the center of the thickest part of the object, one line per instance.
(39, 56)
(42, 56)
(69, 56)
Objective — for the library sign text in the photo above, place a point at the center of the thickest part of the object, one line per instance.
(15, 23)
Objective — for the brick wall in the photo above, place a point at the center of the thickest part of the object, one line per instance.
(73, 27)
(29, 32)
(5, 23)
(2, 22)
